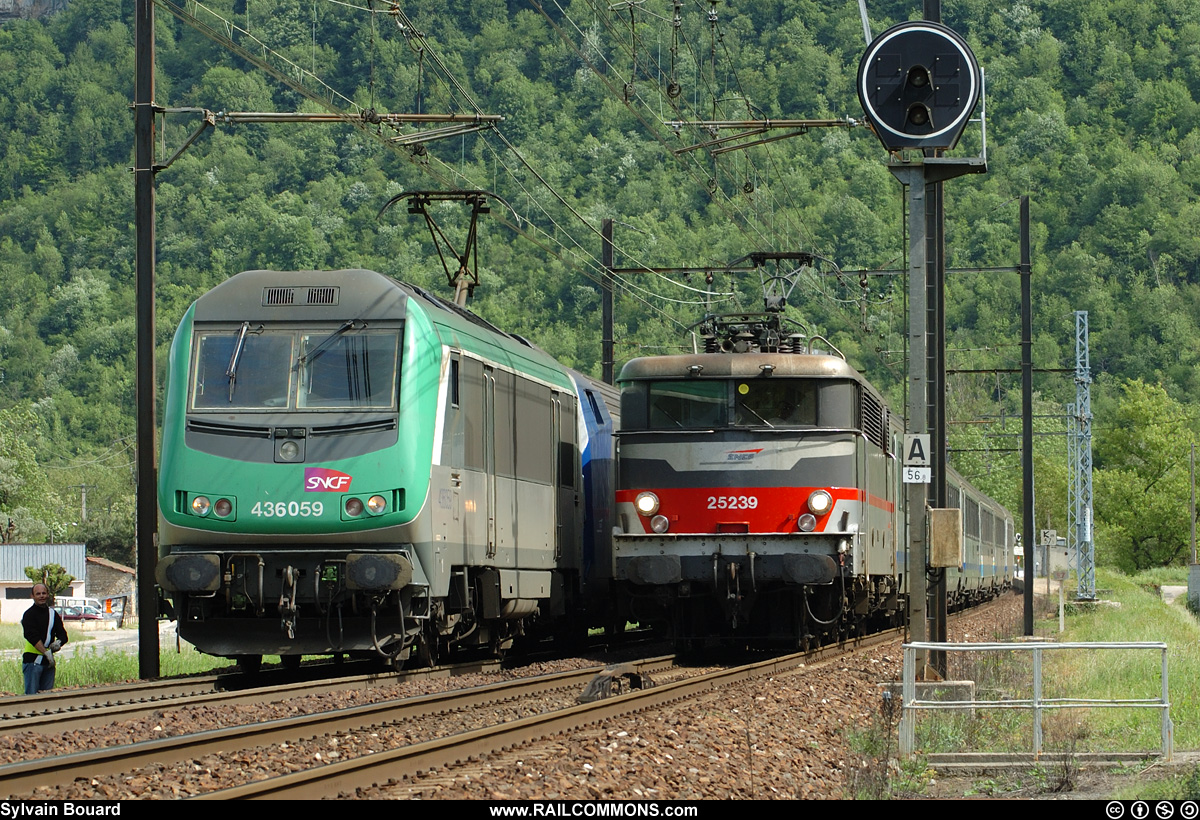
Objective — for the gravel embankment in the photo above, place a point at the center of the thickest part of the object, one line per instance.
(778, 738)
(785, 738)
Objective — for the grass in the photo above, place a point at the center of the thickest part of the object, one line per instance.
(1162, 576)
(88, 666)
(1129, 610)
(1185, 786)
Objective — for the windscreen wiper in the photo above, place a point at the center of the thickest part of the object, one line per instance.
(309, 358)
(231, 371)
(752, 412)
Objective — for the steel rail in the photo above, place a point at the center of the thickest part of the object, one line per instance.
(369, 770)
(72, 710)
(20, 779)
(64, 710)
(36, 711)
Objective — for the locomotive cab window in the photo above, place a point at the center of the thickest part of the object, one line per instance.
(241, 369)
(354, 370)
(775, 403)
(710, 403)
(255, 368)
(688, 404)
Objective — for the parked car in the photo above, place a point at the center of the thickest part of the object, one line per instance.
(81, 613)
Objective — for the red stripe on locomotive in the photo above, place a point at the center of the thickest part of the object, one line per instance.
(758, 509)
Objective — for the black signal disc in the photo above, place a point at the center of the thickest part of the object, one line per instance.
(918, 83)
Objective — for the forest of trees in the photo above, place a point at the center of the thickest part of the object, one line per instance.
(1092, 111)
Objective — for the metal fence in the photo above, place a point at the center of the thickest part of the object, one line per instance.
(1038, 704)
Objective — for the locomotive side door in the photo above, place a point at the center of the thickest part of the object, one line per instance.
(457, 444)
(489, 456)
(569, 524)
(474, 473)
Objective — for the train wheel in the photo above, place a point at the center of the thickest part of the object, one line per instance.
(427, 651)
(497, 645)
(249, 664)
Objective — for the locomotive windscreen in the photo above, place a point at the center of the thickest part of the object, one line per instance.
(257, 368)
(776, 403)
(688, 404)
(710, 403)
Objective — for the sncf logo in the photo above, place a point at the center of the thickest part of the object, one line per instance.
(322, 480)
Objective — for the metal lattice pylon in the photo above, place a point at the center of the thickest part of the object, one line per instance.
(1072, 490)
(1079, 450)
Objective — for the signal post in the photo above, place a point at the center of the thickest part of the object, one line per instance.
(918, 83)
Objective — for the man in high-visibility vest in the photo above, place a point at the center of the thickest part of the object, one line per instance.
(44, 635)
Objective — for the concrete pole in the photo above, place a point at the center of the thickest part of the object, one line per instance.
(913, 178)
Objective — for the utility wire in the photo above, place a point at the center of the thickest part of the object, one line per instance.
(410, 30)
(713, 93)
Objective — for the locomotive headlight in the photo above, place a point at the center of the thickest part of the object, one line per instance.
(660, 524)
(223, 507)
(376, 504)
(289, 450)
(354, 507)
(820, 502)
(807, 522)
(646, 503)
(201, 505)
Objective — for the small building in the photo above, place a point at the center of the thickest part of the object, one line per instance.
(114, 585)
(16, 589)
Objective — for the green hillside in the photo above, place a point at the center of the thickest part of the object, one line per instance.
(1091, 111)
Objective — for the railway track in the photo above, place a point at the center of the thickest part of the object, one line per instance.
(82, 709)
(372, 770)
(17, 711)
(65, 710)
(21, 779)
(368, 771)
(503, 715)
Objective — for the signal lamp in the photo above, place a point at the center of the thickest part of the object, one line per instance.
(660, 524)
(354, 507)
(918, 76)
(918, 115)
(918, 83)
(201, 505)
(376, 504)
(223, 507)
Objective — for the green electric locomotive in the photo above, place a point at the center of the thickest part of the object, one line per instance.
(351, 465)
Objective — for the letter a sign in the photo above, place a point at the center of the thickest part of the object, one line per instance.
(916, 450)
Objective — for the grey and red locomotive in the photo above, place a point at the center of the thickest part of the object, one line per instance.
(760, 498)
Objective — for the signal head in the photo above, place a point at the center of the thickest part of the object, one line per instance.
(918, 83)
